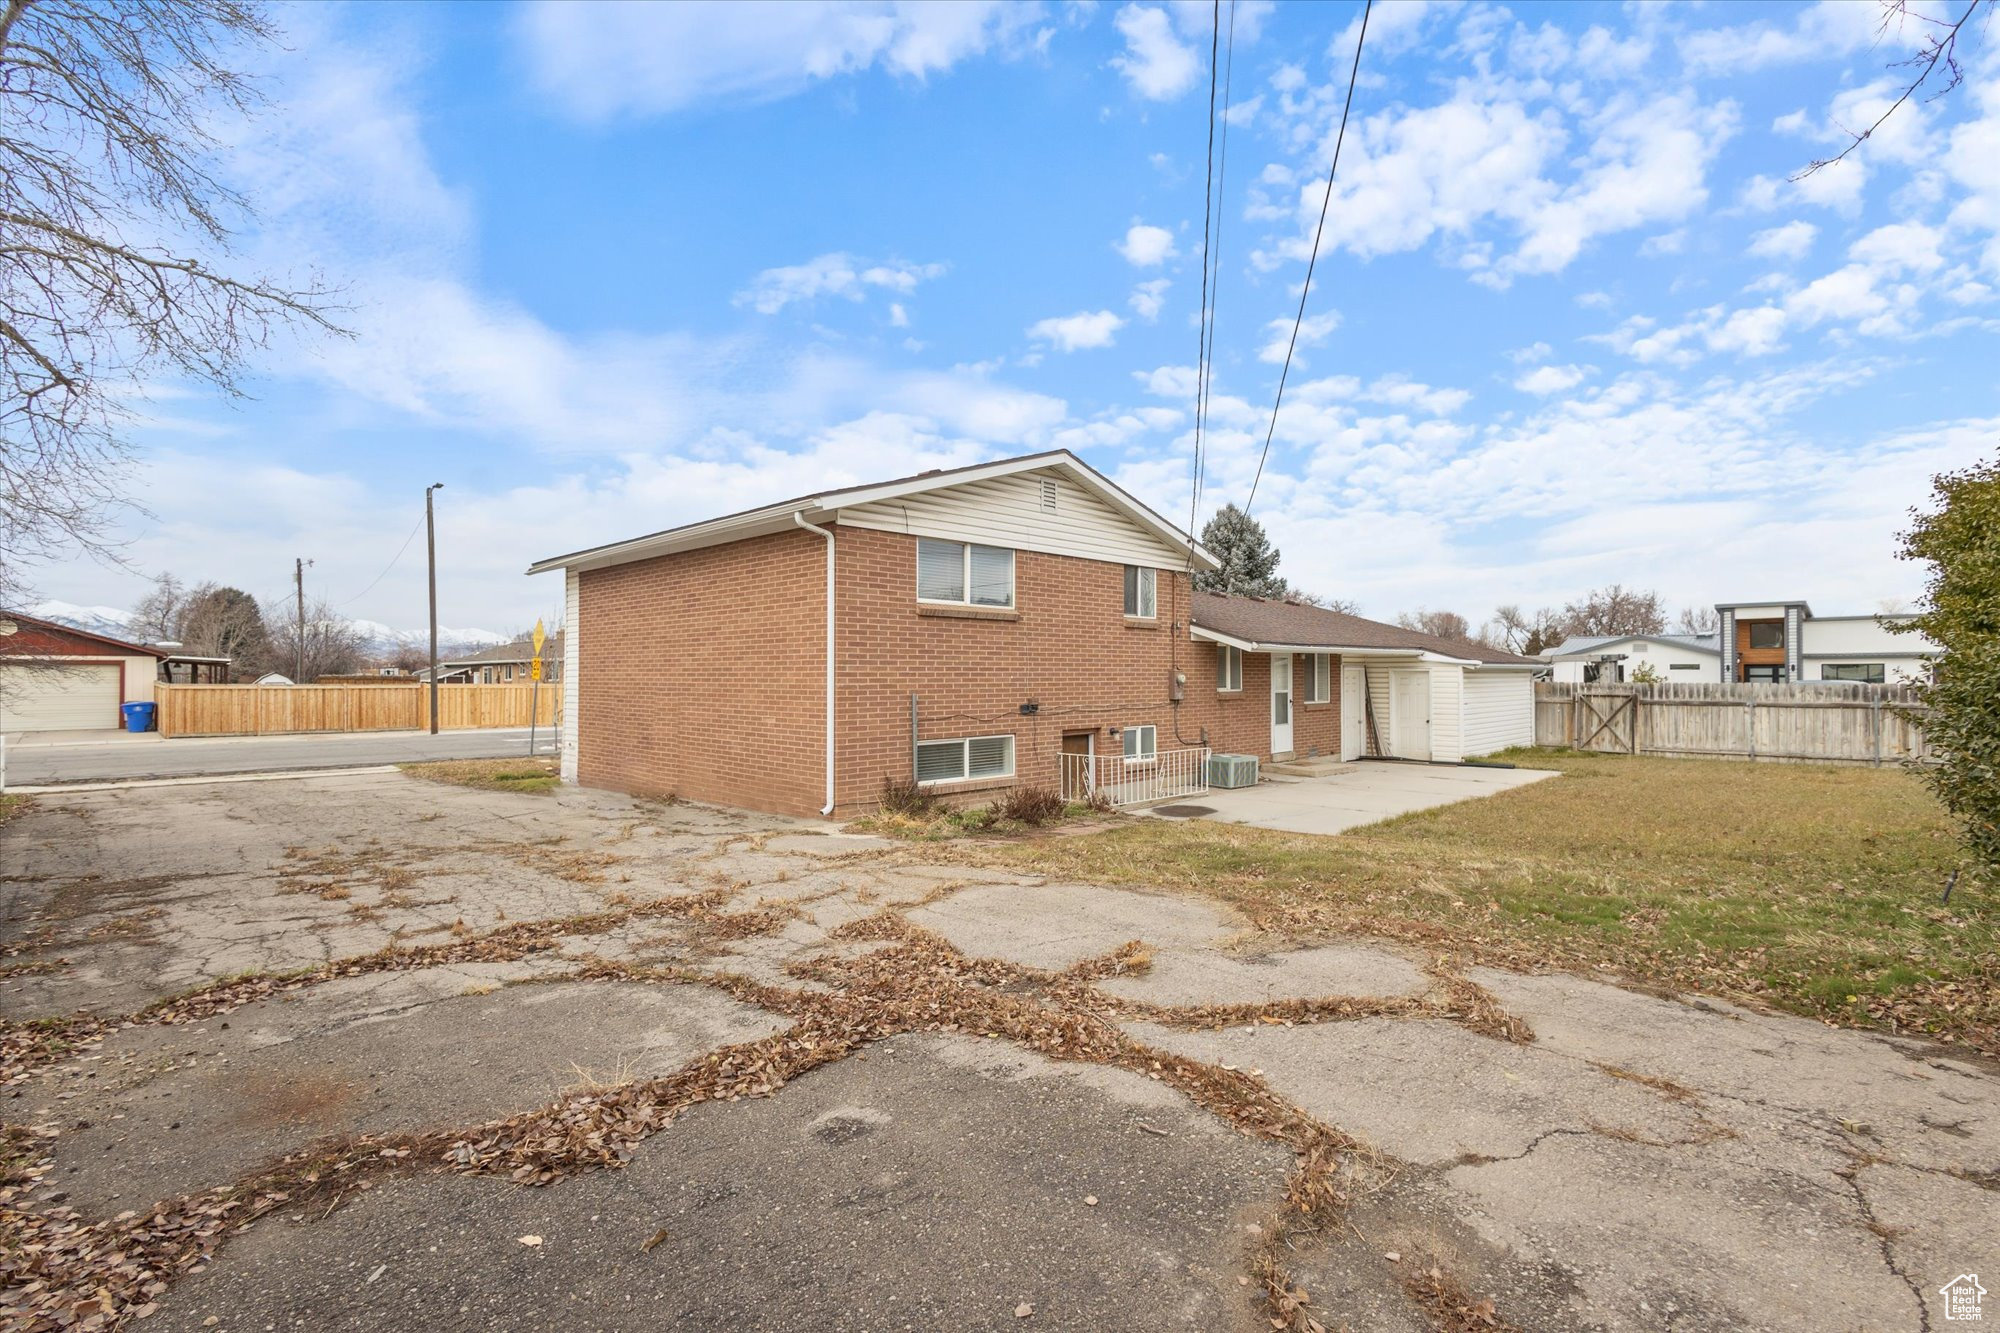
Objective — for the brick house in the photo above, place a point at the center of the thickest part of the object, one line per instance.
(1007, 623)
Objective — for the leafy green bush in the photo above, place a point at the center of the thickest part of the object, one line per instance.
(1961, 614)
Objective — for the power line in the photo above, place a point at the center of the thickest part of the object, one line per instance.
(1207, 211)
(391, 565)
(1205, 368)
(1311, 262)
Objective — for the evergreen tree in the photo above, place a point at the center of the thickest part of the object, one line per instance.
(1249, 561)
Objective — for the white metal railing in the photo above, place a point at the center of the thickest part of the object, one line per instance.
(1164, 776)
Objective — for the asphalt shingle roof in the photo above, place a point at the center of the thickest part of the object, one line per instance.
(1258, 620)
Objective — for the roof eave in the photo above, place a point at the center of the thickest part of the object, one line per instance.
(1345, 650)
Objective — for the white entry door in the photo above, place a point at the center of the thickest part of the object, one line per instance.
(1353, 723)
(1410, 714)
(1281, 703)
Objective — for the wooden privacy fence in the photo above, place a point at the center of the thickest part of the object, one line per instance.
(1802, 722)
(270, 710)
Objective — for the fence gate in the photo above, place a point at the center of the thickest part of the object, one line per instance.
(1607, 723)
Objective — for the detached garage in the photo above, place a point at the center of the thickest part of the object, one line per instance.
(54, 678)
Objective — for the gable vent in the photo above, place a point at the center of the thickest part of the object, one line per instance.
(1049, 494)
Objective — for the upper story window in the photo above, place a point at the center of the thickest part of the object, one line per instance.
(1767, 634)
(1228, 668)
(1141, 592)
(964, 574)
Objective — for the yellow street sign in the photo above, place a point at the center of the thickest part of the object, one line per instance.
(535, 669)
(539, 636)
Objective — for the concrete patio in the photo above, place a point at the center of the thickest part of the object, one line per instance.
(1349, 796)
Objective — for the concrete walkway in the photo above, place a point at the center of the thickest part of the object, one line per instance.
(1364, 793)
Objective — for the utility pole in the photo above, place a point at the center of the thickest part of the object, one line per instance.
(299, 582)
(431, 541)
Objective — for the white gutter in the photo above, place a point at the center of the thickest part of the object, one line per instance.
(800, 518)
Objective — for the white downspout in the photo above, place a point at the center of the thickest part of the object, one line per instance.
(800, 519)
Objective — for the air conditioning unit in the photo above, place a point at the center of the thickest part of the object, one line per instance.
(1232, 770)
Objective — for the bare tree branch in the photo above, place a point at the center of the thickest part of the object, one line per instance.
(115, 231)
(1939, 48)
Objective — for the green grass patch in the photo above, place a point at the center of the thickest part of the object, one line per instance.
(535, 774)
(1814, 888)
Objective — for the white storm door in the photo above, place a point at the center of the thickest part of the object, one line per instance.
(1281, 703)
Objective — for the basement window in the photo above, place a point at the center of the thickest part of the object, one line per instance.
(1141, 744)
(962, 574)
(971, 757)
(1141, 592)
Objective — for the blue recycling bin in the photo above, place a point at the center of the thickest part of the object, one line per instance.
(138, 717)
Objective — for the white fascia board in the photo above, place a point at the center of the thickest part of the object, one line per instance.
(1251, 646)
(715, 532)
(1510, 666)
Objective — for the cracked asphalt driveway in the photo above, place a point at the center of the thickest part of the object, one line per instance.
(366, 1052)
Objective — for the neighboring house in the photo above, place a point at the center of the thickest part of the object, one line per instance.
(1785, 641)
(273, 678)
(502, 664)
(1587, 659)
(968, 629)
(55, 678)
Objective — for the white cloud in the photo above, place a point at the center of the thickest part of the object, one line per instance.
(1072, 333)
(1144, 246)
(1155, 63)
(1530, 354)
(1168, 381)
(1828, 29)
(1313, 330)
(1148, 298)
(834, 274)
(598, 61)
(1486, 157)
(1545, 380)
(1789, 242)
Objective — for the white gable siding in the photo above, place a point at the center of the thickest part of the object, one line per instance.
(1499, 711)
(1007, 511)
(1447, 714)
(570, 674)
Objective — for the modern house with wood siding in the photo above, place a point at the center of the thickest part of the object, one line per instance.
(1784, 641)
(1017, 622)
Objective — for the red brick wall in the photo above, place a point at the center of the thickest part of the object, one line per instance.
(701, 674)
(1066, 647)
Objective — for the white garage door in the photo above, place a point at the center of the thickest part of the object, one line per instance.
(60, 697)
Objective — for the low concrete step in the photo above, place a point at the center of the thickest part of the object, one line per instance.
(1323, 766)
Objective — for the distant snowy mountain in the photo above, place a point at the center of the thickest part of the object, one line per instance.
(379, 638)
(383, 638)
(94, 619)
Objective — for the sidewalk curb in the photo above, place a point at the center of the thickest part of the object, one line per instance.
(196, 779)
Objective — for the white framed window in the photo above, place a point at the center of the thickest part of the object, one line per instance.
(969, 757)
(963, 574)
(1228, 668)
(1141, 744)
(1316, 683)
(1141, 592)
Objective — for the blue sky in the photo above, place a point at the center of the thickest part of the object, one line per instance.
(616, 268)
